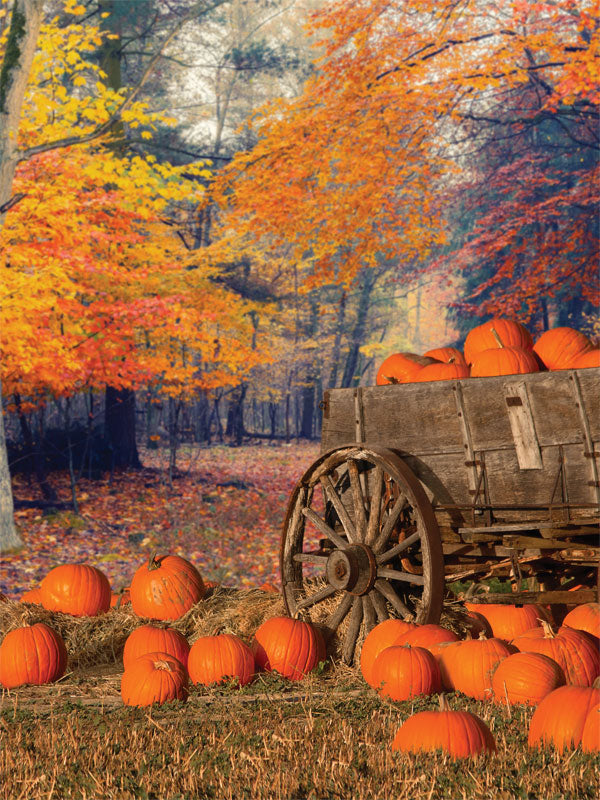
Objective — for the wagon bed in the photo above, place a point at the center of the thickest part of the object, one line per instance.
(425, 483)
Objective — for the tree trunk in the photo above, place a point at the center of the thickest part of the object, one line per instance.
(35, 455)
(20, 48)
(235, 415)
(119, 420)
(351, 376)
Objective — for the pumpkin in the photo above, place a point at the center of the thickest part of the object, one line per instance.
(442, 372)
(120, 598)
(32, 654)
(401, 672)
(444, 652)
(496, 333)
(526, 678)
(401, 368)
(154, 678)
(559, 347)
(507, 621)
(152, 639)
(503, 361)
(292, 647)
(165, 588)
(217, 659)
(585, 617)
(477, 624)
(33, 596)
(427, 635)
(460, 734)
(591, 358)
(77, 589)
(575, 651)
(560, 718)
(590, 737)
(448, 355)
(471, 664)
(384, 634)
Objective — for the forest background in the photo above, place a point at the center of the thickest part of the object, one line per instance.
(219, 209)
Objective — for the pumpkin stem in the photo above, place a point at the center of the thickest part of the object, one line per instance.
(497, 337)
(444, 704)
(153, 563)
(548, 632)
(391, 379)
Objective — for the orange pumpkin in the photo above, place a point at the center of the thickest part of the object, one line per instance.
(154, 678)
(575, 651)
(217, 659)
(120, 598)
(559, 347)
(444, 653)
(33, 596)
(585, 617)
(292, 647)
(32, 654)
(165, 588)
(401, 672)
(590, 737)
(401, 368)
(560, 718)
(447, 355)
(152, 639)
(503, 361)
(77, 589)
(460, 734)
(507, 621)
(442, 372)
(427, 635)
(526, 678)
(591, 358)
(471, 664)
(496, 333)
(384, 634)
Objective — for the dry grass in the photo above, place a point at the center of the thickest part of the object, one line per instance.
(325, 737)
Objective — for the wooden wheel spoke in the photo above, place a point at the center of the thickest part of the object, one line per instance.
(399, 548)
(390, 522)
(352, 631)
(374, 521)
(396, 575)
(358, 500)
(379, 605)
(335, 619)
(331, 494)
(382, 586)
(324, 528)
(322, 594)
(368, 611)
(309, 558)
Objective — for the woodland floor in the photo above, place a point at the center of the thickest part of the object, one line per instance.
(223, 513)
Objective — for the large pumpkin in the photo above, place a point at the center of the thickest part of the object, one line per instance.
(217, 659)
(460, 734)
(507, 621)
(591, 358)
(560, 718)
(384, 634)
(590, 736)
(526, 678)
(292, 647)
(77, 589)
(472, 663)
(152, 639)
(32, 654)
(401, 368)
(165, 588)
(401, 672)
(503, 361)
(496, 333)
(442, 372)
(154, 678)
(559, 347)
(585, 617)
(575, 651)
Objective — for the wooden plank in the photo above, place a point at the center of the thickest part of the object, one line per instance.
(590, 450)
(552, 596)
(521, 422)
(521, 542)
(528, 526)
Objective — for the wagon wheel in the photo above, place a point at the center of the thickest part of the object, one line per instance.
(381, 555)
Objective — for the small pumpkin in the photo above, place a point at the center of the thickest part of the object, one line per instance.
(292, 647)
(427, 635)
(153, 639)
(384, 634)
(559, 347)
(495, 333)
(471, 664)
(217, 659)
(32, 654)
(120, 598)
(460, 734)
(447, 355)
(33, 596)
(401, 368)
(154, 678)
(526, 678)
(575, 651)
(584, 617)
(77, 589)
(560, 718)
(442, 372)
(165, 588)
(590, 737)
(509, 621)
(401, 672)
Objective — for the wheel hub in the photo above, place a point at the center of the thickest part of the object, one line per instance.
(352, 569)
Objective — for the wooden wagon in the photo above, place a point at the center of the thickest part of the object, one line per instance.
(423, 484)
